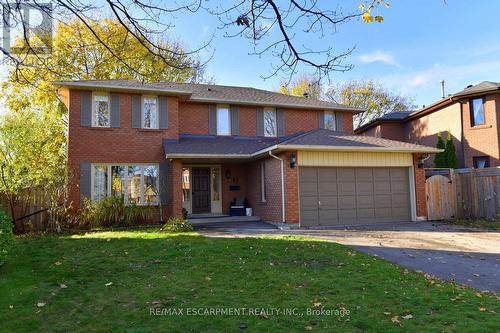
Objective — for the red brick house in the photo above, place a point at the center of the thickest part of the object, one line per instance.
(472, 116)
(199, 147)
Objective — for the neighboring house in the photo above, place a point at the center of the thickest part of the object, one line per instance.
(471, 116)
(199, 146)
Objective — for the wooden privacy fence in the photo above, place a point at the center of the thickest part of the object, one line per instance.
(29, 203)
(463, 193)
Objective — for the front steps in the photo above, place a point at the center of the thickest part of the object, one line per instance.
(196, 219)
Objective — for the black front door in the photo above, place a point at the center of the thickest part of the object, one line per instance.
(201, 190)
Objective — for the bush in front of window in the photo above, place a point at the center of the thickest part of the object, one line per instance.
(5, 236)
(138, 215)
(176, 224)
(112, 212)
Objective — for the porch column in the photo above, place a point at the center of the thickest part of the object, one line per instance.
(419, 187)
(176, 188)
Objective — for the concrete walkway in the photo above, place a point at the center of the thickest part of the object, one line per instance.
(465, 255)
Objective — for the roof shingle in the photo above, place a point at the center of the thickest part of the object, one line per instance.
(198, 92)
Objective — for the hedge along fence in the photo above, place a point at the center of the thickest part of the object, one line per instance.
(463, 193)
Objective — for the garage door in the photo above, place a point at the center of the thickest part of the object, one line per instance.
(340, 196)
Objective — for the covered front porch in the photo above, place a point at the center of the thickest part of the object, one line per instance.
(209, 188)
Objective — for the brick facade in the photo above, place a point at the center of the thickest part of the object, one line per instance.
(130, 145)
(453, 117)
(420, 197)
(482, 140)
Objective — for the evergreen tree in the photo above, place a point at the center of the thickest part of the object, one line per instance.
(450, 153)
(440, 158)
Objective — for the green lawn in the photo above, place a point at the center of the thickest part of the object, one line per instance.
(111, 281)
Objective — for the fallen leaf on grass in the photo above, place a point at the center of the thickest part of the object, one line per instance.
(208, 278)
(408, 316)
(109, 284)
(387, 313)
(57, 263)
(308, 328)
(40, 304)
(482, 309)
(63, 286)
(395, 319)
(11, 306)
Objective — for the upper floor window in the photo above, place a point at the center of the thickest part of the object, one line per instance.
(223, 120)
(477, 111)
(330, 121)
(270, 128)
(100, 110)
(150, 112)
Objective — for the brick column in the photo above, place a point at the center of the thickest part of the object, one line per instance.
(291, 189)
(420, 196)
(176, 188)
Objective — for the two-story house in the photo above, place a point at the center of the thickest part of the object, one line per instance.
(200, 146)
(472, 116)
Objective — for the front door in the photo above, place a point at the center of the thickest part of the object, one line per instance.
(201, 190)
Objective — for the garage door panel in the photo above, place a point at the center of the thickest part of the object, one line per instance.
(398, 174)
(309, 218)
(354, 196)
(346, 174)
(325, 188)
(399, 201)
(383, 200)
(364, 188)
(399, 187)
(328, 217)
(365, 201)
(309, 189)
(328, 175)
(347, 215)
(400, 214)
(309, 203)
(328, 202)
(364, 174)
(308, 175)
(365, 213)
(381, 187)
(345, 188)
(347, 201)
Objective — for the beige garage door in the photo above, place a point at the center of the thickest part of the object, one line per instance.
(340, 196)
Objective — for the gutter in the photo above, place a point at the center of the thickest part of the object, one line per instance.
(282, 162)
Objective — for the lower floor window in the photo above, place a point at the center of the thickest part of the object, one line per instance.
(137, 184)
(481, 162)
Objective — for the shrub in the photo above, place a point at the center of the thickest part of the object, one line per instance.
(5, 236)
(109, 211)
(137, 215)
(175, 224)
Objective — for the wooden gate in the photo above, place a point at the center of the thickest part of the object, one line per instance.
(441, 197)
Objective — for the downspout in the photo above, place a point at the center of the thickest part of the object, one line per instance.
(282, 163)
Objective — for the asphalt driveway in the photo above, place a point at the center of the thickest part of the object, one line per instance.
(465, 255)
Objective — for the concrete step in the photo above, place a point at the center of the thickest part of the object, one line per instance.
(204, 216)
(222, 219)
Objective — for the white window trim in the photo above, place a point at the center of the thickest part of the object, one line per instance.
(126, 165)
(263, 193)
(157, 126)
(334, 119)
(94, 95)
(223, 106)
(271, 110)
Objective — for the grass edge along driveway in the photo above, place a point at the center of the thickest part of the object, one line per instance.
(117, 281)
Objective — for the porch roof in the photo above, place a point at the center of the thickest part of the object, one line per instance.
(227, 147)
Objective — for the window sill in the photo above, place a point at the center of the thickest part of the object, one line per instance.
(150, 130)
(478, 127)
(97, 128)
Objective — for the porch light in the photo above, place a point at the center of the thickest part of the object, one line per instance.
(293, 161)
(228, 174)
